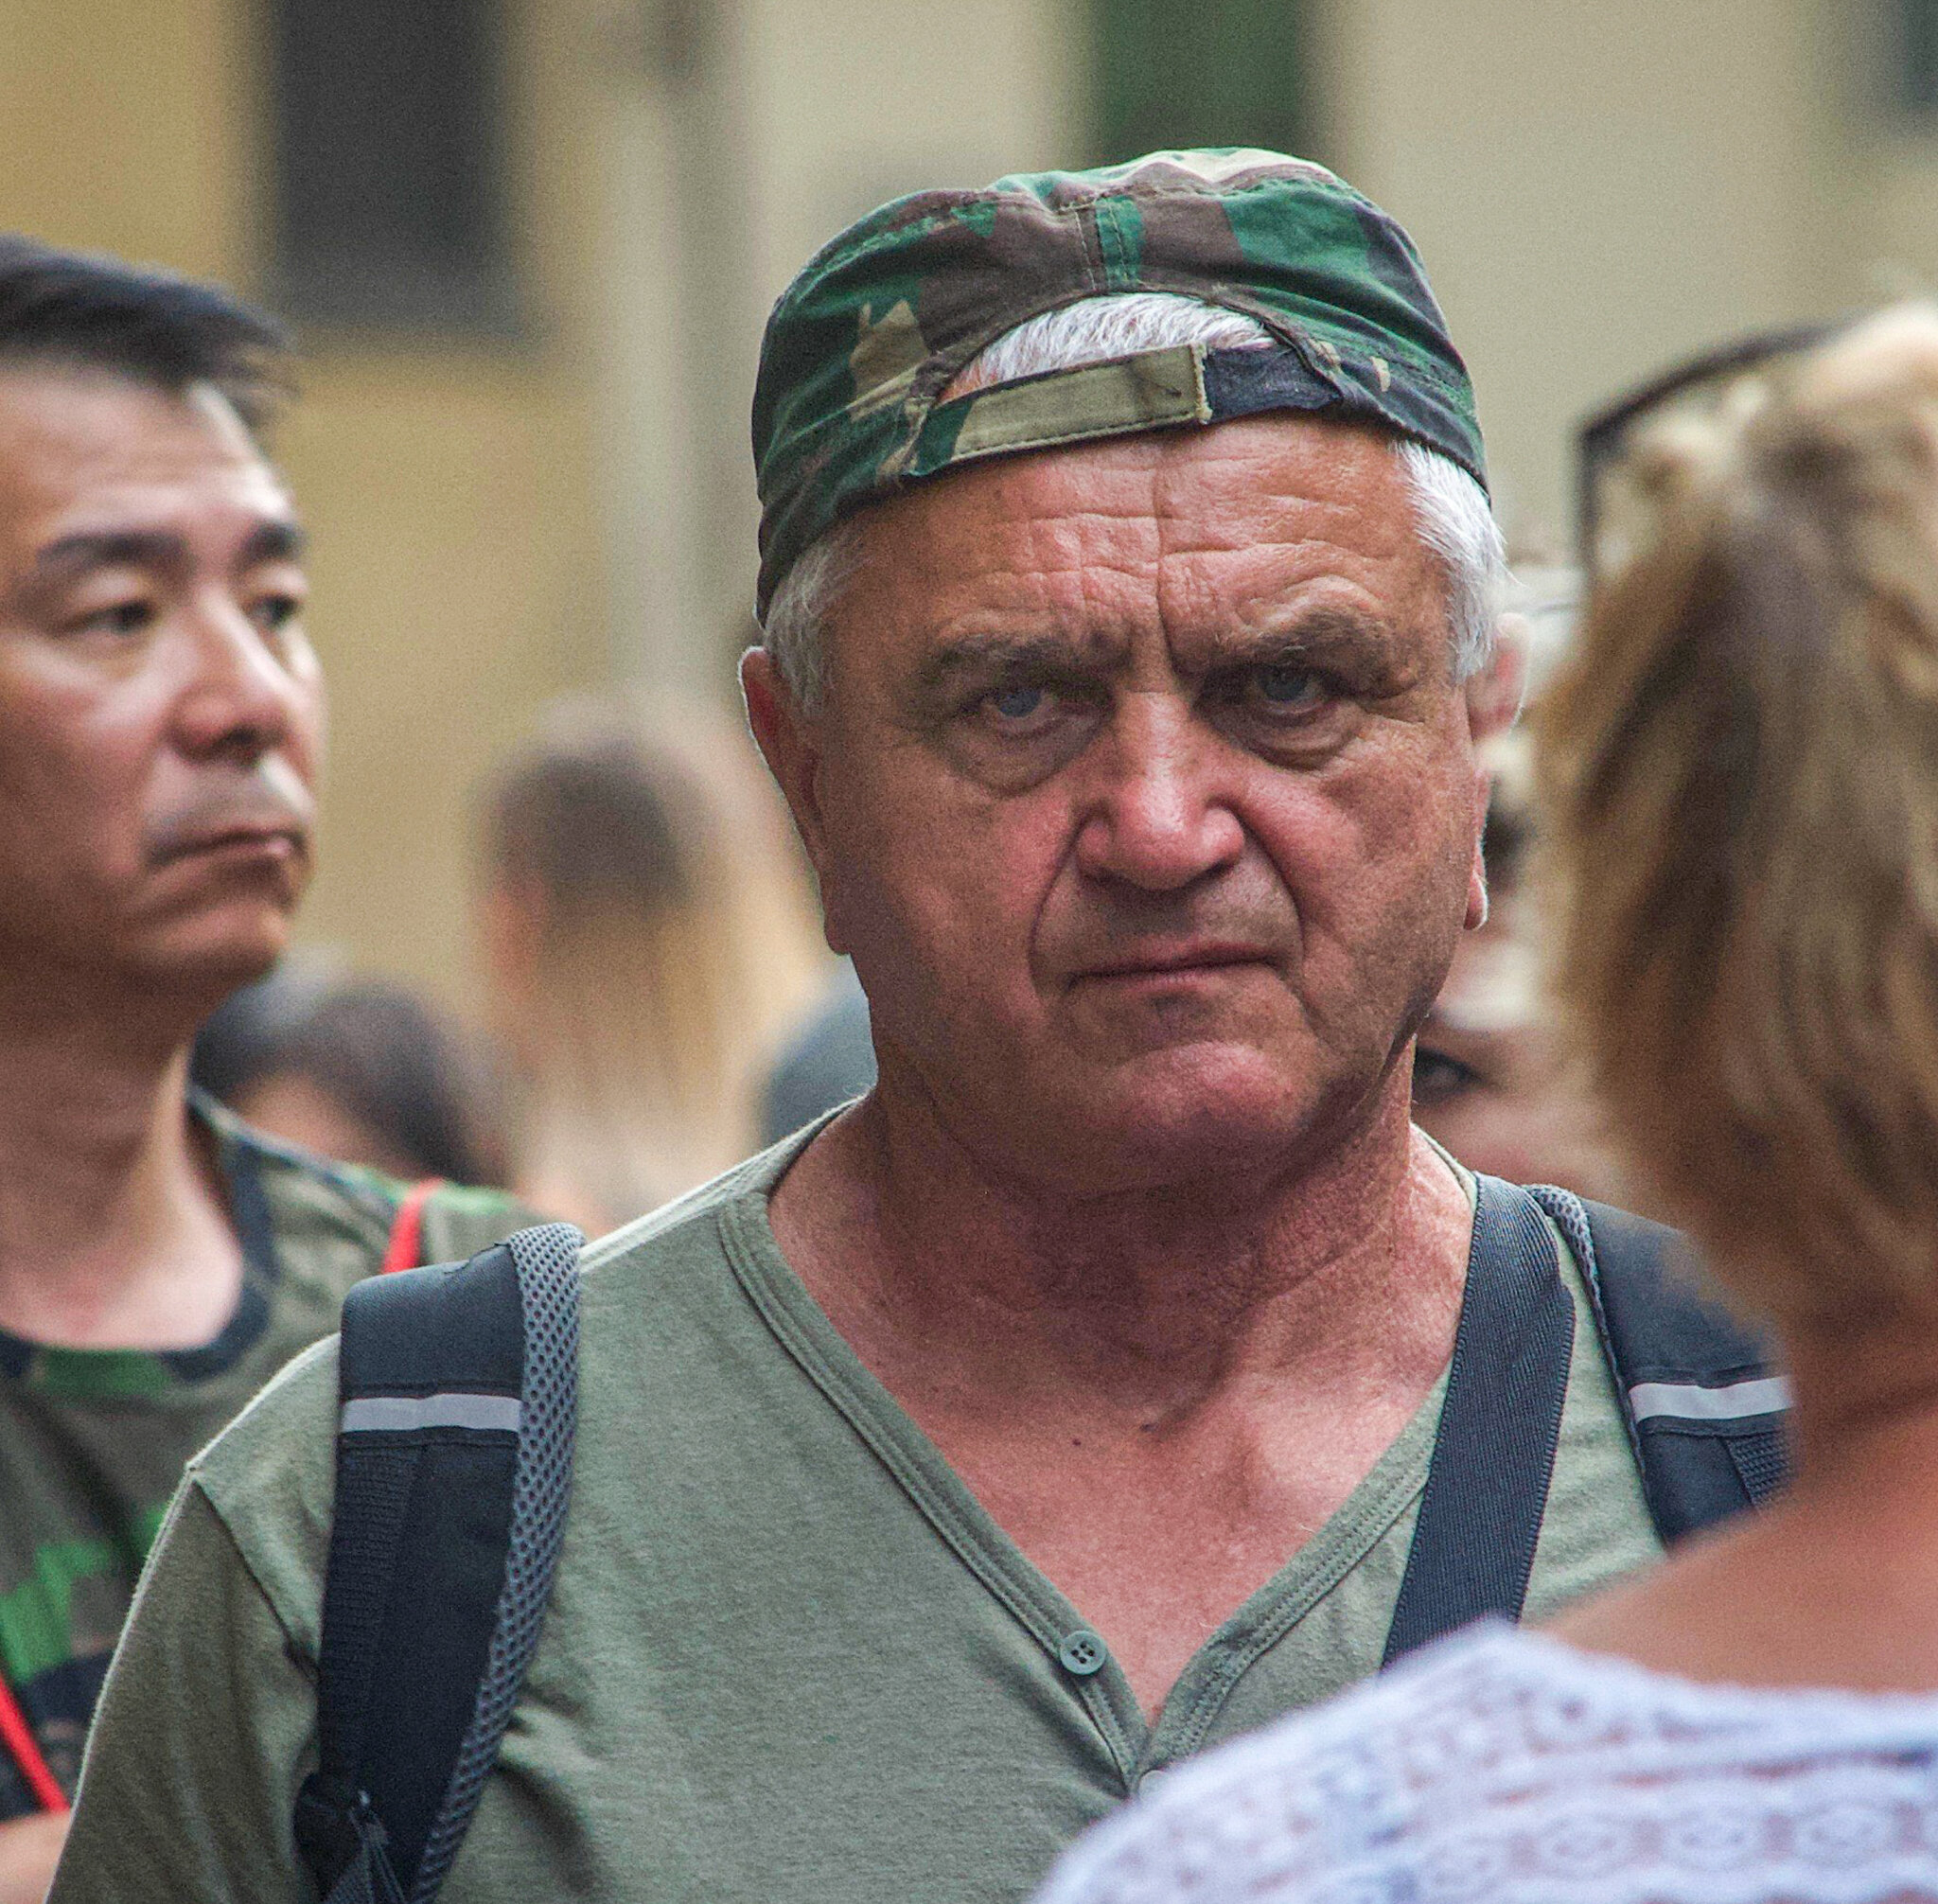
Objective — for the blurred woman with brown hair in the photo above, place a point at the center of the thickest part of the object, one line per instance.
(649, 941)
(1739, 770)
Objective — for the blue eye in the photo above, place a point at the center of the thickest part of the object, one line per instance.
(1017, 702)
(1283, 684)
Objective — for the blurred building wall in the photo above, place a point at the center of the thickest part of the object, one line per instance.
(1600, 189)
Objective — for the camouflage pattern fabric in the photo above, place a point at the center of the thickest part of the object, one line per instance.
(93, 1440)
(863, 344)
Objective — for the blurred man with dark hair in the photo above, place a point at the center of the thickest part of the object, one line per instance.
(161, 723)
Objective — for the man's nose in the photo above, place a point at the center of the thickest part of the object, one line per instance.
(238, 696)
(1157, 816)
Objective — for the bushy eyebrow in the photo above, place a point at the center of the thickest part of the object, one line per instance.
(1343, 639)
(1328, 636)
(989, 656)
(279, 540)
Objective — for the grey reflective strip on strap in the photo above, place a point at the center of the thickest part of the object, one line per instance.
(1691, 1401)
(371, 1413)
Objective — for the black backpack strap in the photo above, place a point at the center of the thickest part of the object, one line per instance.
(1495, 1454)
(459, 1392)
(1704, 1398)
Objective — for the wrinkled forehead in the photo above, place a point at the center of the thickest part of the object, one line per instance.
(1209, 538)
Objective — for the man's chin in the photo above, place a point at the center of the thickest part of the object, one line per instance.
(1182, 1119)
(207, 959)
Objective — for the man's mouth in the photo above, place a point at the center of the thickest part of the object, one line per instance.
(1184, 960)
(283, 838)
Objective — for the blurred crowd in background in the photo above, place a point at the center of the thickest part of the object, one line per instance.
(657, 1000)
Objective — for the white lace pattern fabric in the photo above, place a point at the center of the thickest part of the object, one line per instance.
(1504, 1768)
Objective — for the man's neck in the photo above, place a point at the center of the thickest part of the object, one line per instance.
(1160, 1394)
(113, 1229)
(1156, 1297)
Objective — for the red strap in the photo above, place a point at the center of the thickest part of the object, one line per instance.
(18, 1737)
(405, 1249)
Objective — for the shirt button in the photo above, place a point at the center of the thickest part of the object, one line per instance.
(1083, 1652)
(1152, 1780)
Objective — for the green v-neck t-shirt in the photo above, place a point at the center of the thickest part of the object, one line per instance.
(93, 1441)
(789, 1659)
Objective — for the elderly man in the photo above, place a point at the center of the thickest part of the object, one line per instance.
(1068, 1403)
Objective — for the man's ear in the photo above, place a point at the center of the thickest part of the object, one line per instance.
(1494, 692)
(1493, 701)
(790, 744)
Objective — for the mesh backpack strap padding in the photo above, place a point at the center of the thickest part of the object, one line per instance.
(458, 1387)
(547, 1283)
(1486, 1488)
(1704, 1400)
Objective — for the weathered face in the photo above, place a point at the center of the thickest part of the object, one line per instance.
(160, 707)
(1144, 798)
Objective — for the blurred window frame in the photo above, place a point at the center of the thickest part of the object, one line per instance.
(1914, 51)
(390, 176)
(1175, 73)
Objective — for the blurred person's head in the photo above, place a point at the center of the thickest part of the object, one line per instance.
(1740, 775)
(648, 942)
(355, 1070)
(1491, 1078)
(160, 706)
(1136, 756)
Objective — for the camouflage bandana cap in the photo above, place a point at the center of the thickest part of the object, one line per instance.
(863, 343)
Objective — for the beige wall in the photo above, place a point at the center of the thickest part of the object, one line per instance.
(1599, 190)
(460, 573)
(127, 127)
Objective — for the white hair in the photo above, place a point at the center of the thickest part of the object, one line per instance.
(1454, 518)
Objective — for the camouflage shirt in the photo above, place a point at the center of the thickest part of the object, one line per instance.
(93, 1441)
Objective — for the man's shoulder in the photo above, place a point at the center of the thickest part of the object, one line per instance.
(462, 1219)
(335, 1219)
(270, 1478)
(270, 1475)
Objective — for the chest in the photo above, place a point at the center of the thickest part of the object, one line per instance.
(832, 1689)
(83, 1485)
(1159, 1535)
(818, 1596)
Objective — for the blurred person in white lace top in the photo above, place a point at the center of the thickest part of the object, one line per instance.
(1740, 766)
